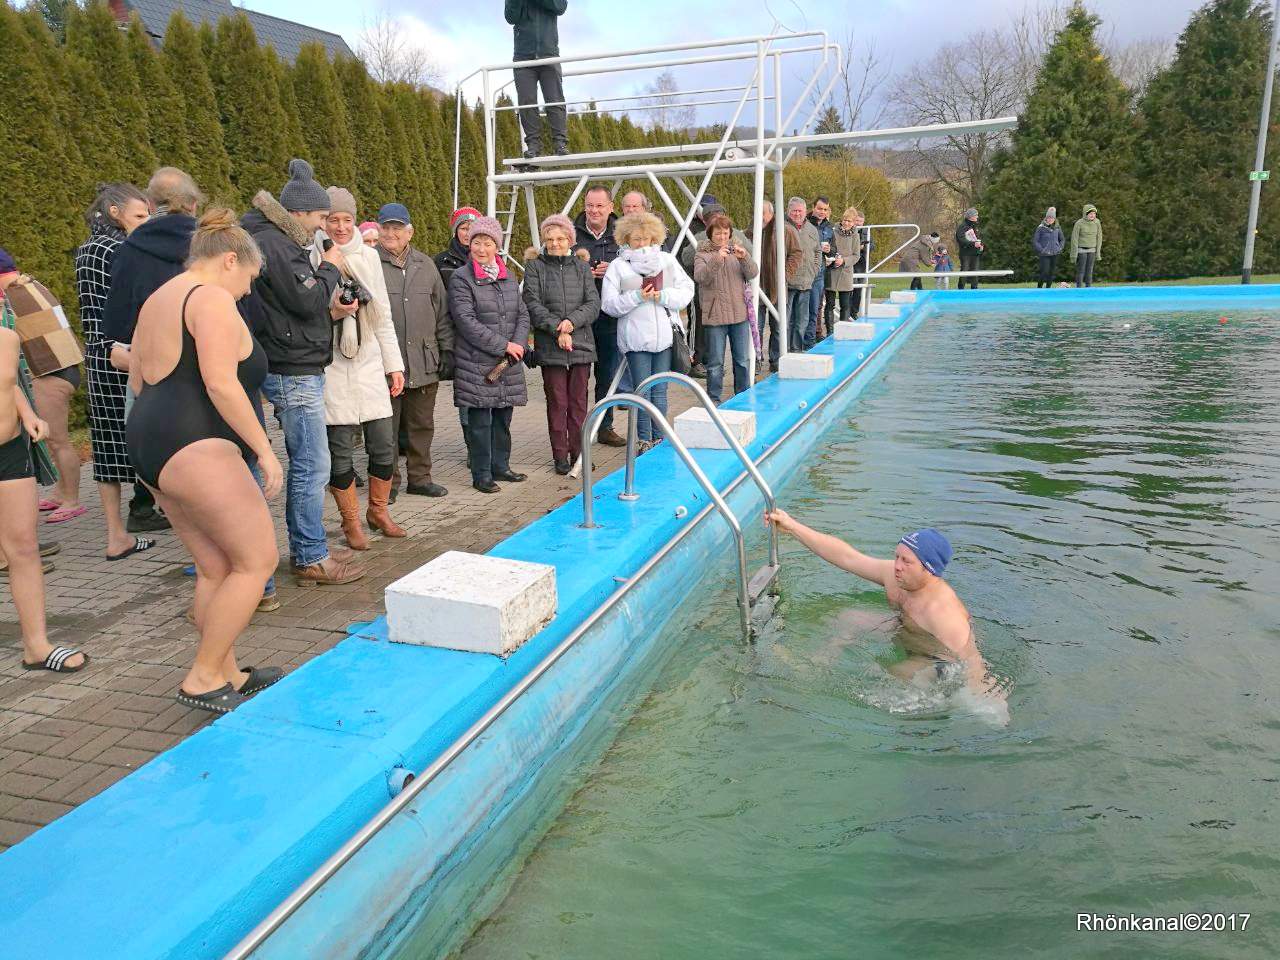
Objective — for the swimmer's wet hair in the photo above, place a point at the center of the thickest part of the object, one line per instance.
(218, 232)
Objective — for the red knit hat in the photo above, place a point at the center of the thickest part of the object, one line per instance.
(462, 215)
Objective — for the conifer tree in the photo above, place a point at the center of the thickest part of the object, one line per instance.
(294, 140)
(253, 126)
(1198, 120)
(375, 181)
(413, 174)
(326, 131)
(188, 70)
(1073, 145)
(38, 219)
(92, 34)
(165, 106)
(79, 179)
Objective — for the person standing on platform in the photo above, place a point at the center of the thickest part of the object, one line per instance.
(420, 312)
(769, 274)
(800, 287)
(848, 251)
(594, 228)
(537, 38)
(1048, 242)
(821, 220)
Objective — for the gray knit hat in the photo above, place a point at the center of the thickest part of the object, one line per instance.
(341, 200)
(302, 193)
(971, 214)
(1051, 212)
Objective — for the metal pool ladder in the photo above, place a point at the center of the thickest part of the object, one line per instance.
(750, 589)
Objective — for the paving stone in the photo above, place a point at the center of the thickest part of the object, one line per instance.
(64, 739)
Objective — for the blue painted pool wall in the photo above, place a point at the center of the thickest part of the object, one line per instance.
(202, 842)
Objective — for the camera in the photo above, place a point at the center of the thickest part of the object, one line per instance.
(352, 291)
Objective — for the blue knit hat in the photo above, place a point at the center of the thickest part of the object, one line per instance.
(7, 264)
(302, 194)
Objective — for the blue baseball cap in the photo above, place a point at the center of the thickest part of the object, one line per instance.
(393, 213)
(931, 548)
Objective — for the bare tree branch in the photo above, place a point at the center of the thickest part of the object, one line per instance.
(390, 56)
(667, 109)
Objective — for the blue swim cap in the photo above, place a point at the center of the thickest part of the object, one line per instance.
(931, 548)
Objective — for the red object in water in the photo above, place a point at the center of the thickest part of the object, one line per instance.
(1222, 319)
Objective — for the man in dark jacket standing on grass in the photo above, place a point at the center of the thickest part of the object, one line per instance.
(969, 243)
(537, 38)
(298, 308)
(420, 313)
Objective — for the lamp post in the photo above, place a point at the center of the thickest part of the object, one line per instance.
(1257, 175)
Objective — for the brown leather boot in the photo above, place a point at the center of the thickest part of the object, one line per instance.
(328, 571)
(378, 516)
(348, 501)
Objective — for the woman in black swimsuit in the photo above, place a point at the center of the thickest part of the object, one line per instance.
(197, 370)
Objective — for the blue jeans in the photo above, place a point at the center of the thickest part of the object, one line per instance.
(738, 336)
(797, 318)
(299, 409)
(643, 364)
(605, 331)
(816, 293)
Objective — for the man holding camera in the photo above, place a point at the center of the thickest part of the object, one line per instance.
(420, 313)
(297, 308)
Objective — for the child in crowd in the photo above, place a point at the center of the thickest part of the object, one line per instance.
(942, 265)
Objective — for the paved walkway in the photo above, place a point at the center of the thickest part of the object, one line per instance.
(63, 739)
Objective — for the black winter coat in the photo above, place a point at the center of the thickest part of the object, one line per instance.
(963, 246)
(487, 315)
(602, 250)
(148, 259)
(450, 259)
(558, 289)
(535, 27)
(296, 328)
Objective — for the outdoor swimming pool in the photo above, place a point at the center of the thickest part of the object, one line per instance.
(1113, 495)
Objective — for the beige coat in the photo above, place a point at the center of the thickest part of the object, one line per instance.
(849, 246)
(355, 389)
(721, 284)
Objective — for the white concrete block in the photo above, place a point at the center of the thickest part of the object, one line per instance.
(902, 296)
(467, 601)
(695, 429)
(806, 366)
(881, 311)
(851, 330)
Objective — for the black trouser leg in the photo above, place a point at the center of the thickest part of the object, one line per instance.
(143, 501)
(500, 438)
(969, 261)
(1048, 263)
(916, 284)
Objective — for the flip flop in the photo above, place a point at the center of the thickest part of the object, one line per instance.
(46, 566)
(57, 661)
(140, 545)
(46, 505)
(62, 514)
(223, 700)
(260, 678)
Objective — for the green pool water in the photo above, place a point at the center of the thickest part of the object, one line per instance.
(1113, 496)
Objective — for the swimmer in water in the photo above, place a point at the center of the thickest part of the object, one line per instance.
(936, 628)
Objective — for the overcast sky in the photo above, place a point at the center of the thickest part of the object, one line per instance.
(463, 35)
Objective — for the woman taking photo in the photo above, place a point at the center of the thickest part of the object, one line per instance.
(723, 271)
(116, 212)
(195, 368)
(491, 328)
(645, 288)
(366, 372)
(560, 292)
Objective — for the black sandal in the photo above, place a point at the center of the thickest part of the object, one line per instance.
(57, 661)
(140, 545)
(259, 679)
(222, 700)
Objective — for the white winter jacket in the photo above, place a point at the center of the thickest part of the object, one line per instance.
(355, 389)
(645, 325)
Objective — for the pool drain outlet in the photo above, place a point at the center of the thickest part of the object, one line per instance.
(398, 779)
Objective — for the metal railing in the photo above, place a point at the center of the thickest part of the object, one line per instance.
(588, 511)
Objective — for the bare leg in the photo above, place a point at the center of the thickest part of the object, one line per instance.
(118, 540)
(18, 500)
(53, 401)
(222, 518)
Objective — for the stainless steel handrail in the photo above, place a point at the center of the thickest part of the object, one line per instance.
(588, 512)
(671, 376)
(304, 891)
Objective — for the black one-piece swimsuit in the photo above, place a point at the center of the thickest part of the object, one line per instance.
(176, 412)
